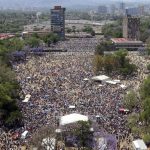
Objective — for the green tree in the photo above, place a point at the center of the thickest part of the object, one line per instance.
(33, 42)
(130, 100)
(83, 133)
(51, 38)
(148, 67)
(145, 88)
(146, 110)
(15, 44)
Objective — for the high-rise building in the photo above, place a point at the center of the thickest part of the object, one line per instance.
(112, 9)
(58, 21)
(122, 8)
(102, 9)
(131, 27)
(141, 9)
(135, 11)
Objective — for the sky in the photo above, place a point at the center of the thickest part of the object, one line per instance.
(49, 3)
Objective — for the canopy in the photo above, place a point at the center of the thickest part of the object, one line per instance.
(100, 78)
(111, 82)
(139, 144)
(72, 118)
(85, 79)
(72, 106)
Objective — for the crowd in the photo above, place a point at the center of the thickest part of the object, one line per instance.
(78, 44)
(55, 81)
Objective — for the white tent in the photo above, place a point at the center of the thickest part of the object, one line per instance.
(139, 145)
(72, 106)
(100, 78)
(72, 118)
(117, 81)
(85, 79)
(111, 82)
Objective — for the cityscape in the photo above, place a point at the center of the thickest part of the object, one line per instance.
(74, 75)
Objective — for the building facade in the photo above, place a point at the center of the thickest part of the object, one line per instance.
(102, 10)
(58, 21)
(131, 27)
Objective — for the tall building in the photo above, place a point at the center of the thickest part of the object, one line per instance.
(58, 21)
(122, 8)
(102, 9)
(131, 27)
(135, 11)
(112, 9)
(141, 9)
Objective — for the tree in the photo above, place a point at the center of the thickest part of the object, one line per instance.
(15, 44)
(98, 63)
(148, 67)
(121, 57)
(51, 38)
(69, 30)
(47, 133)
(33, 42)
(130, 100)
(146, 110)
(83, 133)
(100, 49)
(145, 88)
(109, 63)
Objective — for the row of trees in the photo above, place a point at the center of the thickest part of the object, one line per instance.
(10, 114)
(117, 62)
(139, 122)
(86, 29)
(14, 21)
(36, 41)
(113, 30)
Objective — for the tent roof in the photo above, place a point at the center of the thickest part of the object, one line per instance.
(72, 118)
(111, 82)
(139, 144)
(100, 78)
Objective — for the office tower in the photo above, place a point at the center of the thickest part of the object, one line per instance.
(135, 11)
(112, 9)
(102, 10)
(122, 8)
(131, 27)
(58, 21)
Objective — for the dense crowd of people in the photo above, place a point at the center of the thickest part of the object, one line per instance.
(56, 80)
(79, 44)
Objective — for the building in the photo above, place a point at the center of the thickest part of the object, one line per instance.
(112, 9)
(123, 43)
(102, 10)
(122, 8)
(135, 11)
(141, 10)
(58, 21)
(131, 27)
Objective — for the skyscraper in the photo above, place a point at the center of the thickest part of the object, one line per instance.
(102, 10)
(58, 21)
(131, 27)
(122, 8)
